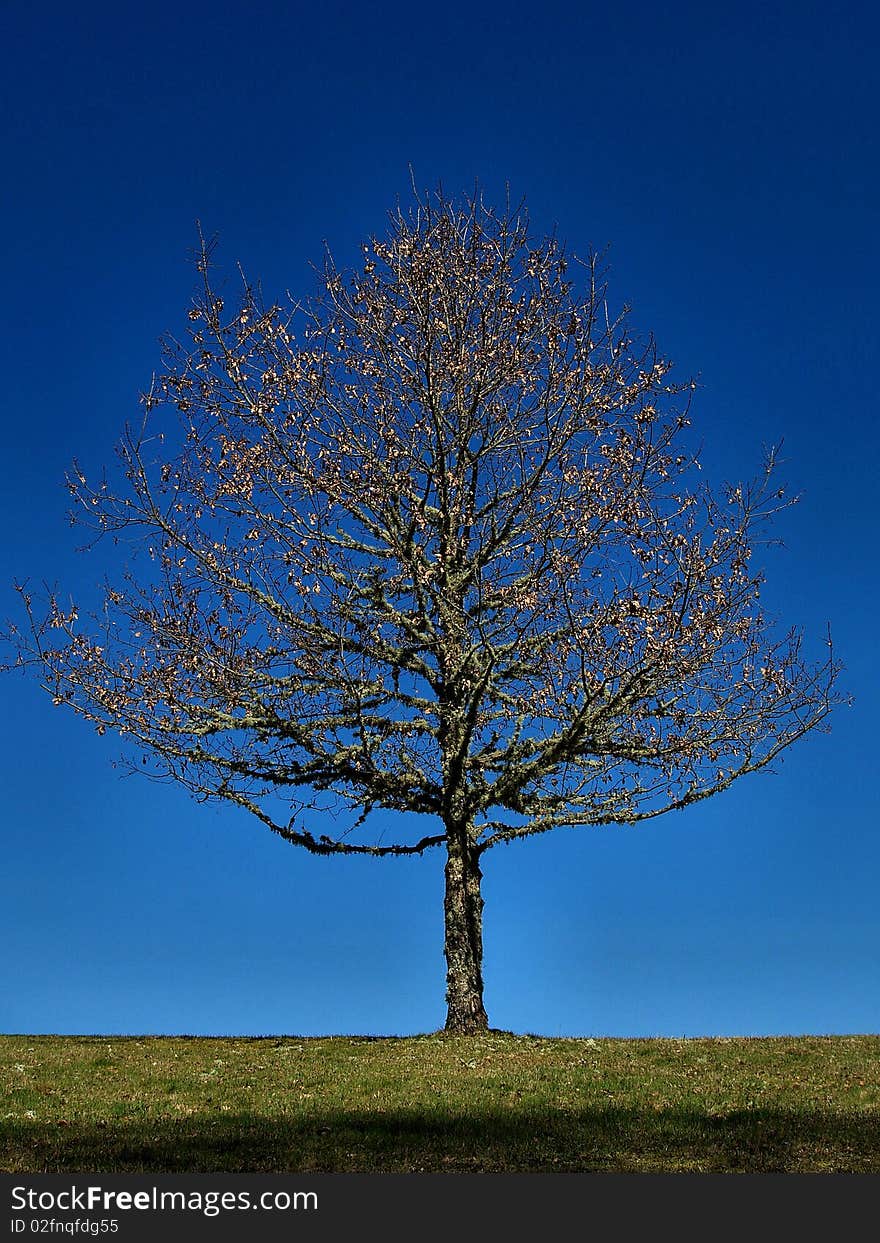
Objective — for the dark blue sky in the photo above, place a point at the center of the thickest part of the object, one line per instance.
(730, 160)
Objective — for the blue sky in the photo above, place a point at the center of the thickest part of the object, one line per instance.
(730, 161)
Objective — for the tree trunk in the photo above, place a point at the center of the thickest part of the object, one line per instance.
(463, 910)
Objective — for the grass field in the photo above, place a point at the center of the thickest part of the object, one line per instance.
(435, 1103)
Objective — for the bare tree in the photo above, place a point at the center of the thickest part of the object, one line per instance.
(433, 542)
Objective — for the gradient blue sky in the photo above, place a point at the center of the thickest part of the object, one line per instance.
(730, 159)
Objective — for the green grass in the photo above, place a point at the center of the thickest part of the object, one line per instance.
(435, 1103)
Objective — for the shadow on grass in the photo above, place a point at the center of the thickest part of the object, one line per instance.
(408, 1141)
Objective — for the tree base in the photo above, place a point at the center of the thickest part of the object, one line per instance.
(469, 1023)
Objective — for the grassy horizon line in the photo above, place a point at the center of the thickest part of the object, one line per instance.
(426, 1035)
